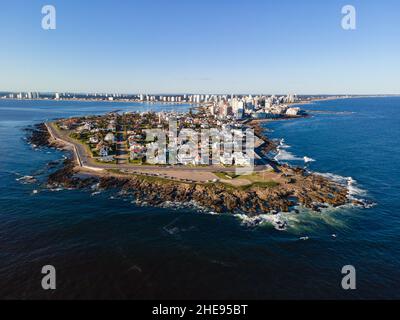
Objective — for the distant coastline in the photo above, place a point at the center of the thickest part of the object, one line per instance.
(102, 100)
(311, 99)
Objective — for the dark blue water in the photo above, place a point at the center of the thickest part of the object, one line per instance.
(103, 246)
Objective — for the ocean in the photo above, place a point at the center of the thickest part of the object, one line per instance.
(104, 246)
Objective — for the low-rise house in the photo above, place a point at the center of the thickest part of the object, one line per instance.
(103, 151)
(137, 151)
(85, 127)
(111, 127)
(110, 138)
(70, 124)
(133, 139)
(103, 146)
(63, 127)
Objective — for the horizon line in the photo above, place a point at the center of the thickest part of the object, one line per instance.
(197, 93)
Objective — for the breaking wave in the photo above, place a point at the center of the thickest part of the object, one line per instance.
(284, 220)
(354, 191)
(280, 221)
(307, 159)
(284, 155)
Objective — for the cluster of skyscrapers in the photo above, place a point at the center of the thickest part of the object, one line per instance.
(257, 107)
(223, 106)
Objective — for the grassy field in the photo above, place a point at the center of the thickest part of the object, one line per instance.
(146, 177)
(263, 184)
(226, 175)
(256, 180)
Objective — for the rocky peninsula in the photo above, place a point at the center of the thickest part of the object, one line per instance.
(267, 192)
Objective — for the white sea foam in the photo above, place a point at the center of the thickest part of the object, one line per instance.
(307, 159)
(354, 191)
(349, 182)
(335, 177)
(283, 145)
(27, 180)
(285, 155)
(283, 221)
(95, 186)
(280, 221)
(56, 189)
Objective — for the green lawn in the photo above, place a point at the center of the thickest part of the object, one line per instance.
(226, 175)
(147, 178)
(261, 184)
(255, 179)
(135, 162)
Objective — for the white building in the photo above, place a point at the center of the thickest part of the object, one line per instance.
(110, 138)
(293, 111)
(103, 152)
(111, 126)
(86, 126)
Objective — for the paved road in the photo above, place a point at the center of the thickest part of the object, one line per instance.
(84, 160)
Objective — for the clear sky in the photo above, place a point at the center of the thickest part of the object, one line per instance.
(201, 46)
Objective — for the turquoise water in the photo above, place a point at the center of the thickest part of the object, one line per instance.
(103, 246)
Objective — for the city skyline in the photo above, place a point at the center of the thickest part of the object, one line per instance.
(204, 48)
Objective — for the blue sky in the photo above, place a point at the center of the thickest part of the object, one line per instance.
(205, 46)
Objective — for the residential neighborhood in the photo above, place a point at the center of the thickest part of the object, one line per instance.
(213, 133)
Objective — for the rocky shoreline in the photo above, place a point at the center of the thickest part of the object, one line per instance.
(300, 188)
(38, 135)
(269, 145)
